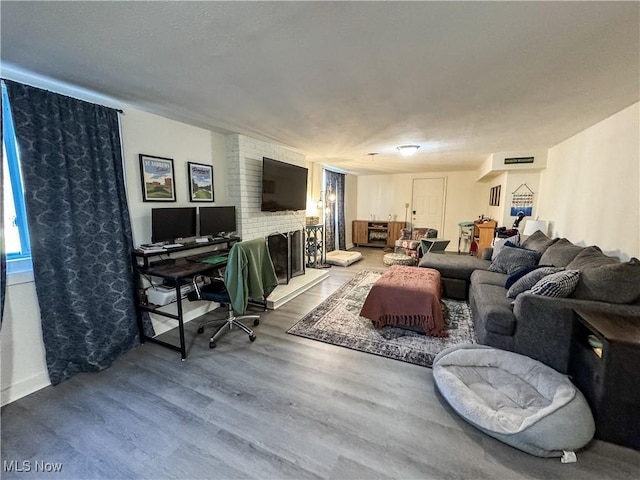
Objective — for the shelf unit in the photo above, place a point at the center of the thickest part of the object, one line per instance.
(375, 233)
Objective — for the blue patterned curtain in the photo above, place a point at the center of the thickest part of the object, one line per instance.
(334, 224)
(3, 258)
(79, 225)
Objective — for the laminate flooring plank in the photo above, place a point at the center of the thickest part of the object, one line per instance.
(348, 418)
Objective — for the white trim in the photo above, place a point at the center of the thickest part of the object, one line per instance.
(19, 271)
(23, 388)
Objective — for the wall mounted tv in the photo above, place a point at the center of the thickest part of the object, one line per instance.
(169, 224)
(216, 221)
(284, 186)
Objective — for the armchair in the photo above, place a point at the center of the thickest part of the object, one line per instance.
(409, 244)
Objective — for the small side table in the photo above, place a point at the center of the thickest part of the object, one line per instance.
(608, 376)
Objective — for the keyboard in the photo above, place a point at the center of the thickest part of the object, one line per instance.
(173, 245)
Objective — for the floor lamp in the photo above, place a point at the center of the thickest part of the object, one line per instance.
(322, 205)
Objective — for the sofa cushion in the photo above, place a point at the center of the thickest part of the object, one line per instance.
(590, 257)
(559, 284)
(453, 266)
(494, 309)
(530, 279)
(538, 241)
(489, 278)
(613, 283)
(512, 259)
(498, 243)
(514, 277)
(560, 253)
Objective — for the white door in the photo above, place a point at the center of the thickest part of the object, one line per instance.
(427, 205)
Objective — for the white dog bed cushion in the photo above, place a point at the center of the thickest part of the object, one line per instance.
(342, 257)
(515, 399)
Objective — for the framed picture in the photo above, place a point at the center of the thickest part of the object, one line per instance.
(200, 182)
(158, 181)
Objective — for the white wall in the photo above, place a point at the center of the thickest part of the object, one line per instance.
(158, 136)
(381, 195)
(510, 182)
(590, 189)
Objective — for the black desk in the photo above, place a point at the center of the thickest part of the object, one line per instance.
(176, 274)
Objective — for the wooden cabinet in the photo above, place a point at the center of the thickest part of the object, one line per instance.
(376, 233)
(483, 233)
(608, 376)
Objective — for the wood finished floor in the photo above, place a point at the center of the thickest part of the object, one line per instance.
(283, 407)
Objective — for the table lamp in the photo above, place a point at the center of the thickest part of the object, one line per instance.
(532, 226)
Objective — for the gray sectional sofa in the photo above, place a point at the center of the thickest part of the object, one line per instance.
(531, 324)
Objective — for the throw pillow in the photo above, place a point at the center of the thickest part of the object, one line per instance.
(512, 259)
(559, 284)
(521, 273)
(538, 241)
(498, 243)
(590, 257)
(530, 279)
(613, 283)
(560, 253)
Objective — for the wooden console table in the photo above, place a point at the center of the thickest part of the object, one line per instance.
(376, 233)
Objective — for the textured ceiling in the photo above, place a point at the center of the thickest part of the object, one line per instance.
(339, 80)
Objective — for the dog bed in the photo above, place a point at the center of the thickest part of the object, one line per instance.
(342, 258)
(515, 399)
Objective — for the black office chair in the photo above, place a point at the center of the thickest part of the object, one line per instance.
(249, 275)
(214, 290)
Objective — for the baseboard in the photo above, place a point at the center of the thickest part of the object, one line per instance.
(25, 387)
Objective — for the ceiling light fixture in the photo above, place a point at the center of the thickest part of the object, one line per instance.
(407, 150)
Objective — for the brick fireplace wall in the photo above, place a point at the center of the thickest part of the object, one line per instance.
(244, 174)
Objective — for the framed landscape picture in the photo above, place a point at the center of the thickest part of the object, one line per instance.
(158, 180)
(200, 182)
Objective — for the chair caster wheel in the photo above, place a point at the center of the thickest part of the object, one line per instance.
(256, 322)
(201, 330)
(252, 338)
(212, 344)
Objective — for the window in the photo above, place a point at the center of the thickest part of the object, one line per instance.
(16, 234)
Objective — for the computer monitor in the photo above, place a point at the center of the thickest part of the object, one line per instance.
(169, 224)
(217, 221)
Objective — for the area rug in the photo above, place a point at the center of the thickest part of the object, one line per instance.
(337, 321)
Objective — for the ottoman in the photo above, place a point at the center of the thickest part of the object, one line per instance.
(398, 259)
(406, 297)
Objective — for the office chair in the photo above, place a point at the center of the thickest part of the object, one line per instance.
(249, 274)
(214, 290)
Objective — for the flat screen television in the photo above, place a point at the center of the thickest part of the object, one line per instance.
(284, 186)
(169, 224)
(216, 221)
